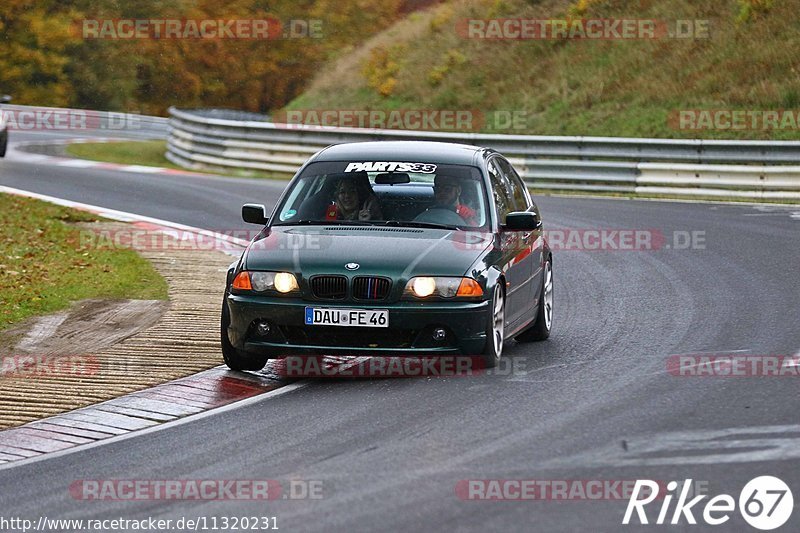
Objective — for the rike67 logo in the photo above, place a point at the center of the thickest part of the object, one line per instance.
(765, 503)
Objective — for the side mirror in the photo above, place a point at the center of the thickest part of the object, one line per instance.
(522, 221)
(255, 214)
(5, 99)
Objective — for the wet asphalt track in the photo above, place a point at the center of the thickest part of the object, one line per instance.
(595, 402)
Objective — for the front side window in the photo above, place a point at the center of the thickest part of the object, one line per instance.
(515, 184)
(390, 193)
(500, 191)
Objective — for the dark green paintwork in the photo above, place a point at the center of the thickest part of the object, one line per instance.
(513, 258)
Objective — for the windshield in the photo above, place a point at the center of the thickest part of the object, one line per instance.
(405, 194)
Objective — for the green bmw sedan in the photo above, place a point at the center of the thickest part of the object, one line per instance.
(394, 248)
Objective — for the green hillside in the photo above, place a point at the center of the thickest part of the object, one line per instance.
(748, 62)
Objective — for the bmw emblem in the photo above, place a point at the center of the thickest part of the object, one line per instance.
(352, 266)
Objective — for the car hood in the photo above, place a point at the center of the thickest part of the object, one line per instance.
(393, 252)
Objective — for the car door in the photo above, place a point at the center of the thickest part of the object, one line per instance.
(529, 243)
(537, 240)
(515, 266)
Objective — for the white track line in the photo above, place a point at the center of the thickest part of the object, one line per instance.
(78, 163)
(142, 169)
(123, 216)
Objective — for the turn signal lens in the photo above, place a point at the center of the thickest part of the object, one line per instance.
(242, 282)
(285, 282)
(469, 288)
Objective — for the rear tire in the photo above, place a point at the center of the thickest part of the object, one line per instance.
(540, 330)
(495, 329)
(236, 359)
(3, 145)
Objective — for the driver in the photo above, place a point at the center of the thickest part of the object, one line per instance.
(447, 193)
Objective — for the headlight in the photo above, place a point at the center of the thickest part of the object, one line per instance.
(441, 287)
(283, 282)
(422, 287)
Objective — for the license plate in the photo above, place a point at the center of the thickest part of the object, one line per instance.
(366, 318)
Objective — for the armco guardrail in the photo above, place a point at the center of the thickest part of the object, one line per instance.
(81, 121)
(682, 168)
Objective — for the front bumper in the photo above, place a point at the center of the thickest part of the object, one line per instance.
(411, 325)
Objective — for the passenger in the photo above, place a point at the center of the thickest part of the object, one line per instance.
(447, 193)
(354, 199)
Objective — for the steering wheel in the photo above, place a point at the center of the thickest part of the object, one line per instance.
(439, 215)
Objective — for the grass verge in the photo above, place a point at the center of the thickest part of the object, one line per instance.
(44, 266)
(147, 153)
(606, 87)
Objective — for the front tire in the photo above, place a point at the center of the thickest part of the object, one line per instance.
(495, 329)
(236, 359)
(544, 316)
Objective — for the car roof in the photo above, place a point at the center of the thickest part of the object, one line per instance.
(411, 151)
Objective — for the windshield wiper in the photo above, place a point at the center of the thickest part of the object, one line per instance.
(307, 222)
(350, 222)
(414, 224)
(391, 223)
(303, 222)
